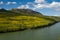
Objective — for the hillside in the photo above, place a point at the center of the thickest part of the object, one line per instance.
(19, 19)
(55, 18)
(26, 12)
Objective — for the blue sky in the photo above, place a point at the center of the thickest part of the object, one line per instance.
(46, 7)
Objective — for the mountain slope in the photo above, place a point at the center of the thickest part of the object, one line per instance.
(12, 20)
(27, 12)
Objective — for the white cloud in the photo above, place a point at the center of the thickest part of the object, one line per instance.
(14, 3)
(56, 15)
(8, 3)
(39, 6)
(29, 3)
(23, 7)
(39, 1)
(1, 2)
(53, 5)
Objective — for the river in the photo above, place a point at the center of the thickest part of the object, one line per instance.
(47, 33)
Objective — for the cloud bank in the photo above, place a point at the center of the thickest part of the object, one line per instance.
(37, 4)
(8, 3)
(23, 7)
(40, 4)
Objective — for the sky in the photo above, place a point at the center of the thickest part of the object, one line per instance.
(46, 7)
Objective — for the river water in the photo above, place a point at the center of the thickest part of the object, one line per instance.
(47, 33)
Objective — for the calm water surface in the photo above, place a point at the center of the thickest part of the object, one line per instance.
(48, 33)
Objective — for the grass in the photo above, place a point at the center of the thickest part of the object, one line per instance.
(21, 22)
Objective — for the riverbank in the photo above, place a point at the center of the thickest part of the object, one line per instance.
(45, 25)
(29, 28)
(47, 33)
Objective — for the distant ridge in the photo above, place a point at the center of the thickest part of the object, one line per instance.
(3, 10)
(27, 12)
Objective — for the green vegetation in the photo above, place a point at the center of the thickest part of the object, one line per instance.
(13, 20)
(56, 18)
